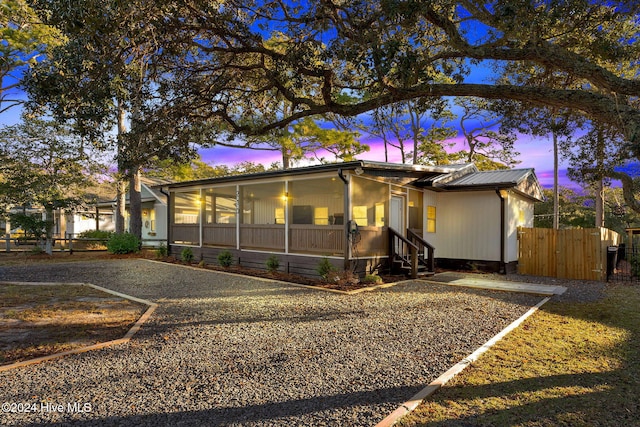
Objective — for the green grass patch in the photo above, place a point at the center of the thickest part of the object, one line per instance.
(567, 365)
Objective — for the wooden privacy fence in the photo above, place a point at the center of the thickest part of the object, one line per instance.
(579, 253)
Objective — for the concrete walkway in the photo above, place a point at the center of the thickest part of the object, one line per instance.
(454, 279)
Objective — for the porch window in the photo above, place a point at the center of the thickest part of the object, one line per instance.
(415, 210)
(316, 216)
(316, 201)
(186, 208)
(263, 203)
(431, 219)
(220, 205)
(370, 202)
(262, 208)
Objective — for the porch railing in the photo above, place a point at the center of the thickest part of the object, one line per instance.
(402, 253)
(429, 262)
(408, 253)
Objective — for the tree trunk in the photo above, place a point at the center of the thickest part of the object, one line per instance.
(121, 200)
(120, 182)
(135, 204)
(599, 183)
(48, 240)
(556, 196)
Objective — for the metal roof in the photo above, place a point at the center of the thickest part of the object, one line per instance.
(497, 177)
(399, 168)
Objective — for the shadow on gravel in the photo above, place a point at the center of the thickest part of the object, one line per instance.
(281, 412)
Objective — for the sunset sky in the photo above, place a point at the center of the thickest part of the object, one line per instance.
(534, 152)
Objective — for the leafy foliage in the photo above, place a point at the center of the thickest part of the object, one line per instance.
(32, 224)
(24, 39)
(273, 263)
(186, 255)
(372, 278)
(123, 243)
(225, 259)
(162, 251)
(325, 268)
(96, 234)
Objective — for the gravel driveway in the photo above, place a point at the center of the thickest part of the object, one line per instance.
(229, 350)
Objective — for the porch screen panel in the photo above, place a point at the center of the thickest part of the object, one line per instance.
(316, 216)
(220, 217)
(185, 217)
(415, 211)
(370, 202)
(370, 210)
(262, 208)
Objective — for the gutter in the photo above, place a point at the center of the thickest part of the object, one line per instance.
(168, 219)
(503, 269)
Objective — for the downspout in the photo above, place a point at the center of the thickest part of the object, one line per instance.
(347, 248)
(168, 219)
(502, 233)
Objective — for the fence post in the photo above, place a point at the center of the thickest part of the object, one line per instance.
(7, 239)
(70, 243)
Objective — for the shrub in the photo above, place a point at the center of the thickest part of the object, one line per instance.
(372, 278)
(162, 251)
(36, 250)
(123, 243)
(225, 259)
(325, 268)
(186, 255)
(273, 263)
(96, 234)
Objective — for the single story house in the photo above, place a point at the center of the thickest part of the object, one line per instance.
(154, 211)
(370, 216)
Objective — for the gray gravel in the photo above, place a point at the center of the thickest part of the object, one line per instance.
(230, 351)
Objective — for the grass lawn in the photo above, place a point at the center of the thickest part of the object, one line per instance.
(567, 365)
(42, 320)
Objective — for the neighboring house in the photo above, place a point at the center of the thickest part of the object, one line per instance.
(154, 212)
(363, 215)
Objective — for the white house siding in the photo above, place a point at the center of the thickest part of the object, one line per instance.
(519, 214)
(468, 226)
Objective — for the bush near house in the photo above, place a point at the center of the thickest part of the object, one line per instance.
(325, 268)
(225, 259)
(273, 263)
(186, 255)
(123, 243)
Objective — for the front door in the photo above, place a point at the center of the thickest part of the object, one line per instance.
(396, 217)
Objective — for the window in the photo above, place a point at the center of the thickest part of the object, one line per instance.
(220, 205)
(321, 215)
(431, 219)
(318, 201)
(370, 202)
(415, 210)
(186, 208)
(263, 203)
(360, 215)
(379, 214)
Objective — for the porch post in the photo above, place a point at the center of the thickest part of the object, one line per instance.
(238, 210)
(347, 219)
(286, 217)
(202, 206)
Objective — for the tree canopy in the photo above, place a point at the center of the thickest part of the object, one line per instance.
(226, 67)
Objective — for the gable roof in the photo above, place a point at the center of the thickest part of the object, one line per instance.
(523, 181)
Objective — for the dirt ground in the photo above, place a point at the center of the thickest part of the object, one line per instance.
(39, 320)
